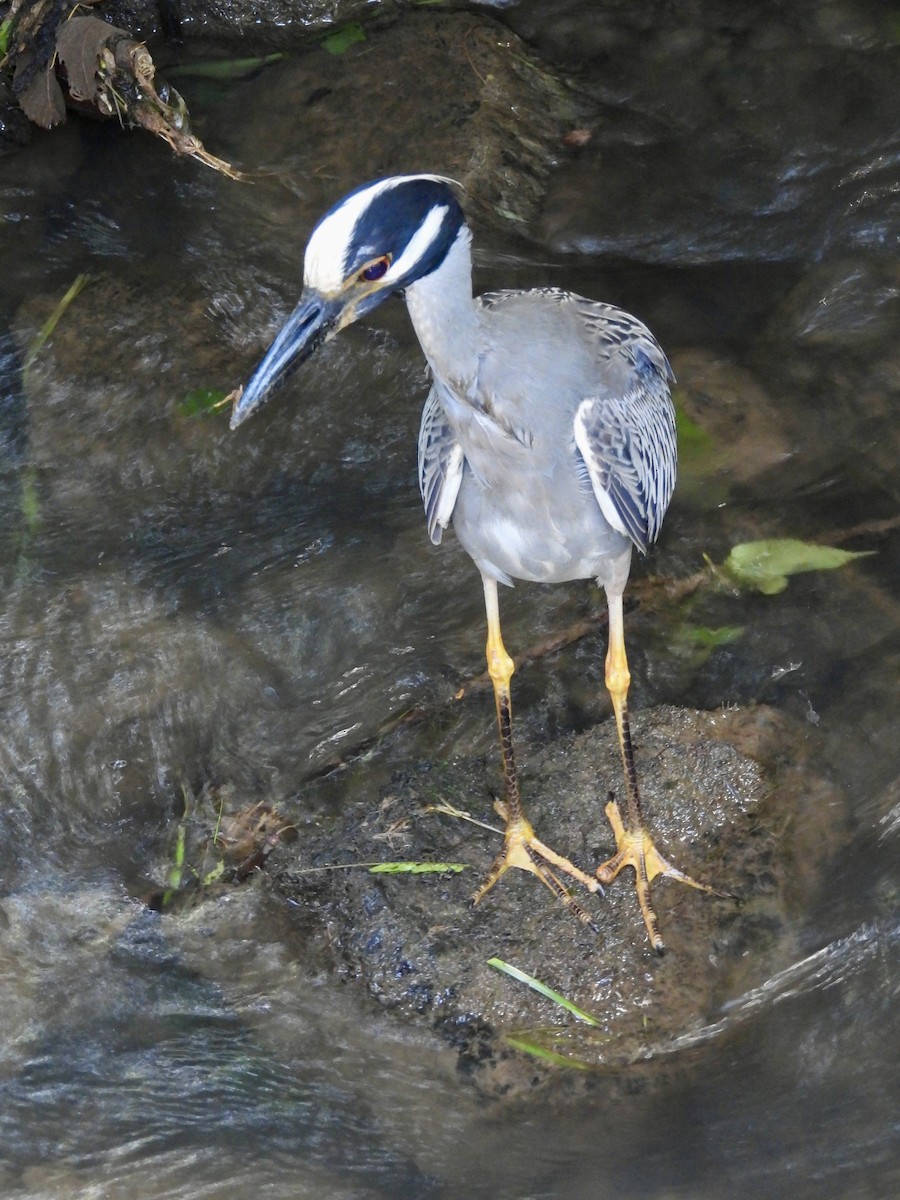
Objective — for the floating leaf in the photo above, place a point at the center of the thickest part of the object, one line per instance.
(695, 643)
(342, 39)
(765, 565)
(415, 868)
(542, 989)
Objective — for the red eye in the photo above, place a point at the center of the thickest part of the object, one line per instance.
(374, 270)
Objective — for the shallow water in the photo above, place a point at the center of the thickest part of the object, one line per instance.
(182, 607)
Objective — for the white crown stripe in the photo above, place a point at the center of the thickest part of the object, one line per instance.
(329, 244)
(418, 244)
(323, 264)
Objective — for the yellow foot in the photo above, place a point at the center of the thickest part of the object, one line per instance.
(522, 849)
(634, 848)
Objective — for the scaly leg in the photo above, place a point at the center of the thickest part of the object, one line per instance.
(634, 846)
(521, 848)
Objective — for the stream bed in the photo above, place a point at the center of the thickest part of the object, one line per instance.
(198, 625)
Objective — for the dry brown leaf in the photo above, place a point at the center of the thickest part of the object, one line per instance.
(107, 69)
(79, 42)
(42, 101)
(248, 837)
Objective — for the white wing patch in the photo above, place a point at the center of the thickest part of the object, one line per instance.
(629, 448)
(441, 463)
(598, 475)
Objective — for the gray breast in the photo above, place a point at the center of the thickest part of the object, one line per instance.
(525, 507)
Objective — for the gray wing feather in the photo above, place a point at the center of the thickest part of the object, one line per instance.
(627, 434)
(440, 465)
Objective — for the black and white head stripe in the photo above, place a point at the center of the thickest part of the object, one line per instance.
(412, 218)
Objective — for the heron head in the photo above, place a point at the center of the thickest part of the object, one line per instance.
(376, 241)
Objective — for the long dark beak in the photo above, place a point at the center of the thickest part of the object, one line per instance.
(305, 330)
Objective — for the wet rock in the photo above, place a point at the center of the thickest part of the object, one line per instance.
(838, 323)
(844, 302)
(491, 117)
(719, 803)
(731, 138)
(15, 129)
(272, 22)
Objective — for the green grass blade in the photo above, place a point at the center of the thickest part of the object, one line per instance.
(550, 1056)
(415, 868)
(542, 989)
(224, 69)
(46, 331)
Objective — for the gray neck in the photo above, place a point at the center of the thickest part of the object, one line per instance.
(444, 315)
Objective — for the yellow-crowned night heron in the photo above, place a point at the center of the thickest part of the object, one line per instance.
(548, 438)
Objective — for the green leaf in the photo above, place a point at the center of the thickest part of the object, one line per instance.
(415, 868)
(214, 873)
(766, 565)
(342, 39)
(700, 460)
(200, 402)
(4, 35)
(690, 434)
(708, 639)
(541, 988)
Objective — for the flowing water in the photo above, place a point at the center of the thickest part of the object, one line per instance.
(183, 608)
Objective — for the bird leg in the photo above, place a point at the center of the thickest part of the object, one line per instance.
(521, 847)
(634, 846)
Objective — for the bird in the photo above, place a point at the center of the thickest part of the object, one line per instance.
(547, 440)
